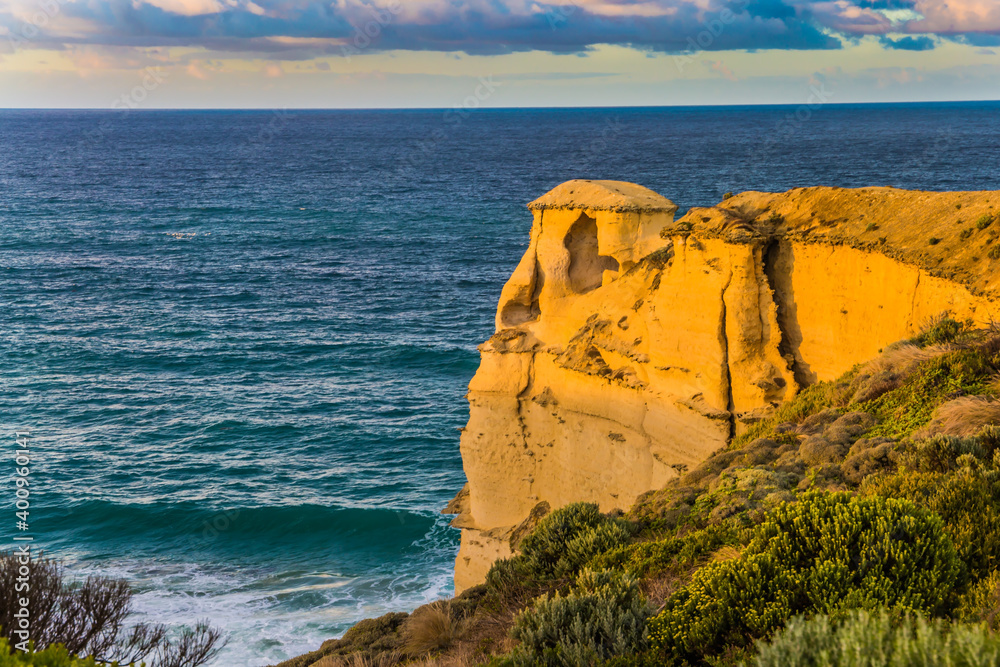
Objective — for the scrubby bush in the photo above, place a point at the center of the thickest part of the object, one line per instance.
(89, 618)
(653, 558)
(903, 410)
(982, 603)
(827, 552)
(55, 656)
(957, 479)
(603, 615)
(940, 331)
(875, 640)
(561, 544)
(984, 221)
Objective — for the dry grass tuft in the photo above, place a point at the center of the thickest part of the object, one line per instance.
(433, 627)
(964, 416)
(727, 552)
(463, 657)
(901, 359)
(385, 659)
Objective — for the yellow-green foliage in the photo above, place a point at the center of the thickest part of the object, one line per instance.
(809, 401)
(602, 616)
(957, 479)
(875, 640)
(673, 554)
(561, 544)
(903, 410)
(54, 656)
(982, 603)
(827, 552)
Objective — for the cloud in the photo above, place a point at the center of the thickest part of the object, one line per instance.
(187, 7)
(305, 29)
(923, 43)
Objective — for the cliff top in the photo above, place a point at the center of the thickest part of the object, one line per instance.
(953, 235)
(616, 196)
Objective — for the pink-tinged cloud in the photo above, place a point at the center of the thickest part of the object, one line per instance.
(306, 29)
(187, 7)
(957, 16)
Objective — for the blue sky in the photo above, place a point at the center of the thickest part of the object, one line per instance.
(443, 53)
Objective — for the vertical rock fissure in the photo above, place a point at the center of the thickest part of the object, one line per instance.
(724, 346)
(770, 257)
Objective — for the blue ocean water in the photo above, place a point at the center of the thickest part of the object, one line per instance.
(242, 339)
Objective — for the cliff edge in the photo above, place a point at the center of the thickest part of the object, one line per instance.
(630, 346)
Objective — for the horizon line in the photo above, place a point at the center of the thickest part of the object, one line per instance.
(515, 108)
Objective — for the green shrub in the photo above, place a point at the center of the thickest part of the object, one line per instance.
(564, 541)
(603, 615)
(994, 252)
(824, 553)
(933, 240)
(969, 504)
(966, 233)
(983, 222)
(982, 603)
(650, 559)
(54, 656)
(944, 330)
(903, 410)
(874, 640)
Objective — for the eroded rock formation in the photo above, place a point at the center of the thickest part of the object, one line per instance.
(630, 346)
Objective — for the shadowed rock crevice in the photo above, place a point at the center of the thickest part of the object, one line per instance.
(587, 267)
(779, 267)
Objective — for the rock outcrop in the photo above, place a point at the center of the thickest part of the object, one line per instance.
(630, 346)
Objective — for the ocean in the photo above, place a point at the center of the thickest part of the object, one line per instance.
(241, 339)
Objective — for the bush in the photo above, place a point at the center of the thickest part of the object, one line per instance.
(968, 503)
(564, 541)
(982, 603)
(604, 615)
(870, 640)
(90, 618)
(940, 331)
(984, 221)
(824, 553)
(673, 554)
(903, 410)
(55, 656)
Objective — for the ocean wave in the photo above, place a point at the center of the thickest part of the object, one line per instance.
(347, 540)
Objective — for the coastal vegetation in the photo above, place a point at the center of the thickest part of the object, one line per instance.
(64, 619)
(857, 525)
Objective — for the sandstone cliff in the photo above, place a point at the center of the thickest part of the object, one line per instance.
(631, 346)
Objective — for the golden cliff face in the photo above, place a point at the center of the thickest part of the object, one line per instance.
(630, 347)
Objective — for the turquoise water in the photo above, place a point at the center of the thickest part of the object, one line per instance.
(242, 340)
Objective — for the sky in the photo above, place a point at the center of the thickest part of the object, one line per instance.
(292, 54)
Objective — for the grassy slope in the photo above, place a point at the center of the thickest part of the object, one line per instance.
(867, 433)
